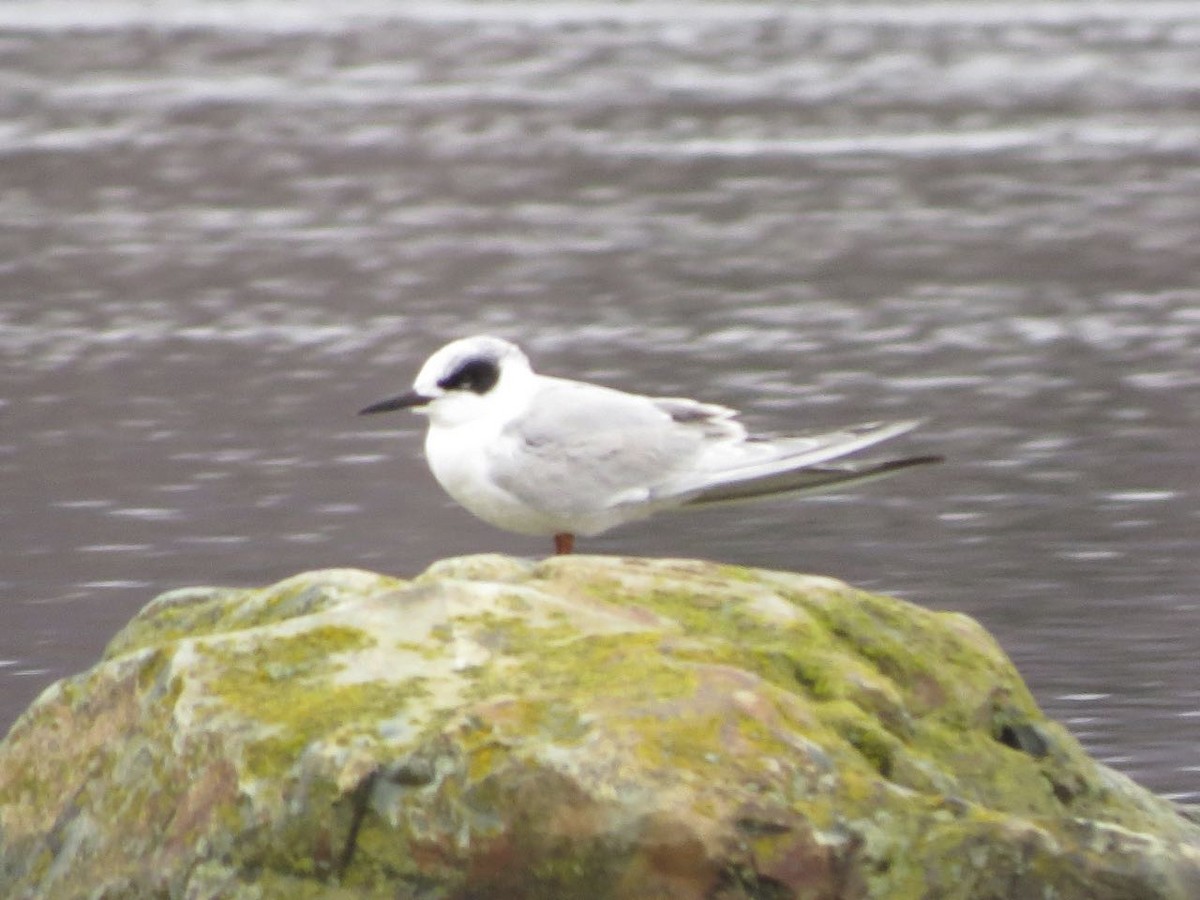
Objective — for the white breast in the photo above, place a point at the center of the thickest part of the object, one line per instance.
(457, 457)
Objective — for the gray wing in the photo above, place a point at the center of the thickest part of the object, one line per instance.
(808, 479)
(581, 448)
(758, 466)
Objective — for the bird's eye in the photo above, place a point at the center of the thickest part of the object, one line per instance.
(478, 375)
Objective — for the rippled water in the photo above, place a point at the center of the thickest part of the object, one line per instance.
(226, 227)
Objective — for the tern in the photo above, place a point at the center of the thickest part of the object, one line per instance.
(547, 456)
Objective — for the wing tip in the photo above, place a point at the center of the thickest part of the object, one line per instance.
(909, 461)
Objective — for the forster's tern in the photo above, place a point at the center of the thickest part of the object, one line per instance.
(547, 456)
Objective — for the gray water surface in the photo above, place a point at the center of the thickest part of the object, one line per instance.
(226, 227)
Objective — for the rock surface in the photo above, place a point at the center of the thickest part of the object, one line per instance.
(578, 728)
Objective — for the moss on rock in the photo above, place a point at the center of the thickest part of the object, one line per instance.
(582, 727)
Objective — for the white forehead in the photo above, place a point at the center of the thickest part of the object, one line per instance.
(452, 356)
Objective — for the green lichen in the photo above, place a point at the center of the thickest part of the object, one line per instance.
(291, 599)
(549, 749)
(171, 618)
(290, 688)
(557, 658)
(196, 612)
(905, 691)
(663, 742)
(862, 732)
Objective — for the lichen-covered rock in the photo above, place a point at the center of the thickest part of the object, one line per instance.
(578, 728)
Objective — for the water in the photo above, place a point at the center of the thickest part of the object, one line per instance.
(226, 227)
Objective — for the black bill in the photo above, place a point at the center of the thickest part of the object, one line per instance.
(404, 401)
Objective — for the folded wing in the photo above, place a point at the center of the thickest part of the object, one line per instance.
(808, 479)
(754, 467)
(582, 449)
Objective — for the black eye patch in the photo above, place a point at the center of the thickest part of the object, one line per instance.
(478, 375)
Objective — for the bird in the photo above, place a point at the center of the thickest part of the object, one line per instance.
(547, 456)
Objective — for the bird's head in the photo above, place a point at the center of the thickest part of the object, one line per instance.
(467, 379)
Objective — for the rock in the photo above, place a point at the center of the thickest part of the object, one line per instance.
(577, 728)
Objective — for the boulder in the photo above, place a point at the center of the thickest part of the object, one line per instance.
(582, 727)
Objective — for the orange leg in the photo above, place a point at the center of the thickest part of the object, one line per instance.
(564, 543)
